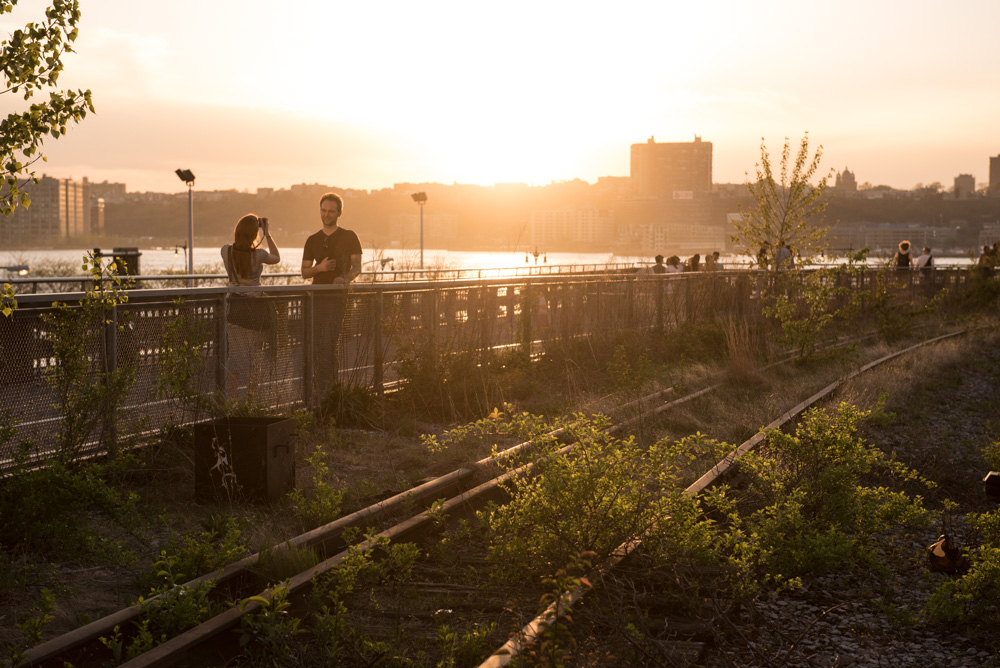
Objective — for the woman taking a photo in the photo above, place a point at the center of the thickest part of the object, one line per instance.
(249, 320)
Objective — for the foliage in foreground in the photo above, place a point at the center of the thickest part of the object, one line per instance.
(973, 597)
(808, 507)
(603, 493)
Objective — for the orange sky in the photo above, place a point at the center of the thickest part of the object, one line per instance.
(367, 94)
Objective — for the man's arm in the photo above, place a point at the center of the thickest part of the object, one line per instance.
(353, 273)
(309, 270)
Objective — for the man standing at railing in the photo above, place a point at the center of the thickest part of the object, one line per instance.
(331, 256)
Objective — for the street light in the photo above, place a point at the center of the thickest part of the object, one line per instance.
(187, 176)
(20, 269)
(420, 198)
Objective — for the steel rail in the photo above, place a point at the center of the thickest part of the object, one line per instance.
(54, 652)
(532, 631)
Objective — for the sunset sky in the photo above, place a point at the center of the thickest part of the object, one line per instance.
(366, 94)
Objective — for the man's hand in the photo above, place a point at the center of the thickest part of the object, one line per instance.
(329, 264)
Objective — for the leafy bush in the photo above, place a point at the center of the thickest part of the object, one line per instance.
(806, 508)
(188, 555)
(63, 510)
(321, 503)
(606, 491)
(974, 596)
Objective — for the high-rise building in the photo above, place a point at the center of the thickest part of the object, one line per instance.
(674, 170)
(995, 174)
(965, 186)
(58, 210)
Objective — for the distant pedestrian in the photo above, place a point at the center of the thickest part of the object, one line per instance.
(925, 260)
(903, 259)
(674, 265)
(783, 257)
(693, 263)
(658, 268)
(709, 262)
(762, 258)
(715, 261)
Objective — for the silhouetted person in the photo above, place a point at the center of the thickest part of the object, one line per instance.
(674, 265)
(693, 263)
(903, 259)
(762, 258)
(250, 320)
(926, 260)
(658, 268)
(783, 258)
(331, 256)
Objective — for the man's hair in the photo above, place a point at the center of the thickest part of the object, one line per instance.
(333, 197)
(659, 259)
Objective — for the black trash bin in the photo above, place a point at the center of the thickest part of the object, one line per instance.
(244, 459)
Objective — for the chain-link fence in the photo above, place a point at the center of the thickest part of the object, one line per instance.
(176, 353)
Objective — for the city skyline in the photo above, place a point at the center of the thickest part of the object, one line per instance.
(541, 92)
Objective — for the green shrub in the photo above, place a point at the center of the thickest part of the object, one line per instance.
(603, 493)
(807, 508)
(321, 503)
(64, 511)
(973, 597)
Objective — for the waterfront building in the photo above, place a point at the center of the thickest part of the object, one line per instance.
(572, 225)
(995, 174)
(672, 170)
(965, 186)
(58, 210)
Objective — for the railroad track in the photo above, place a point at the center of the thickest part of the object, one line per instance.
(213, 642)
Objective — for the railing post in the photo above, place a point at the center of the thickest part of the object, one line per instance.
(308, 344)
(221, 344)
(378, 361)
(660, 291)
(110, 366)
(527, 308)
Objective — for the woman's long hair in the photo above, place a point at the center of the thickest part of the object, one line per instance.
(244, 234)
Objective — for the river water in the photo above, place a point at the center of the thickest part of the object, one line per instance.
(208, 260)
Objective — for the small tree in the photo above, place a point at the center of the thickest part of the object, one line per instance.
(783, 211)
(31, 60)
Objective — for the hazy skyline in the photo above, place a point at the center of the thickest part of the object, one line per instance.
(363, 95)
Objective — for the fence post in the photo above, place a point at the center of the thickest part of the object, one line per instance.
(527, 308)
(308, 343)
(110, 366)
(378, 360)
(660, 290)
(221, 344)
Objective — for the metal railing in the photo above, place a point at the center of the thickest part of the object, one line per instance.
(165, 336)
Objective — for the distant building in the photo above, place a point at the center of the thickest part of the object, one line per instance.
(995, 174)
(58, 210)
(882, 239)
(965, 186)
(110, 192)
(95, 222)
(575, 225)
(438, 228)
(660, 169)
(846, 182)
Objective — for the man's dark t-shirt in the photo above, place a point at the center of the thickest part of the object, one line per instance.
(340, 246)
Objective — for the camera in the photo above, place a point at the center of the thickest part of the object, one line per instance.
(261, 222)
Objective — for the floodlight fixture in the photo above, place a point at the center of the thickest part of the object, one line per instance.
(187, 176)
(420, 198)
(19, 269)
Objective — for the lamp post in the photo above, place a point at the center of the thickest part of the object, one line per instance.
(187, 176)
(420, 198)
(19, 269)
